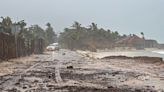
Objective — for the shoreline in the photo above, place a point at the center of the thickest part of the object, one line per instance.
(131, 53)
(143, 70)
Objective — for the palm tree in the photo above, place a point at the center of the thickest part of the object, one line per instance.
(76, 25)
(1, 28)
(48, 24)
(93, 27)
(6, 24)
(109, 31)
(50, 34)
(142, 35)
(38, 32)
(22, 25)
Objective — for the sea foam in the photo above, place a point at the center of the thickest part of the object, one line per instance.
(159, 52)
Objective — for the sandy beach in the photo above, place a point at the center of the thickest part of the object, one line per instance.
(81, 71)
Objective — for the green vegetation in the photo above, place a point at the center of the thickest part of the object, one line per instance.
(18, 40)
(91, 38)
(5, 25)
(74, 37)
(50, 34)
(28, 33)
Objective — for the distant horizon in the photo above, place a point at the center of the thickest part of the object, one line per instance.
(126, 17)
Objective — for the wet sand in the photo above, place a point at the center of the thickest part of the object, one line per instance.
(70, 71)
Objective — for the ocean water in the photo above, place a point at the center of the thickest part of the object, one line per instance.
(159, 51)
(156, 53)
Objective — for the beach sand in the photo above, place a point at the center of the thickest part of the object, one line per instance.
(81, 71)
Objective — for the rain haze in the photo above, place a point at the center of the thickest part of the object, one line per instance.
(81, 45)
(124, 16)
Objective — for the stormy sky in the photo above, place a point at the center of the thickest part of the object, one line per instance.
(124, 16)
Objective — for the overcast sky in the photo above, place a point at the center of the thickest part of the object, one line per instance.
(124, 16)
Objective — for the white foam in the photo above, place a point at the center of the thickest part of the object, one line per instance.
(159, 52)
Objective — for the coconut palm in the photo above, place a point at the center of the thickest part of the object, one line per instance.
(6, 24)
(142, 35)
(23, 30)
(22, 24)
(50, 34)
(93, 27)
(76, 25)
